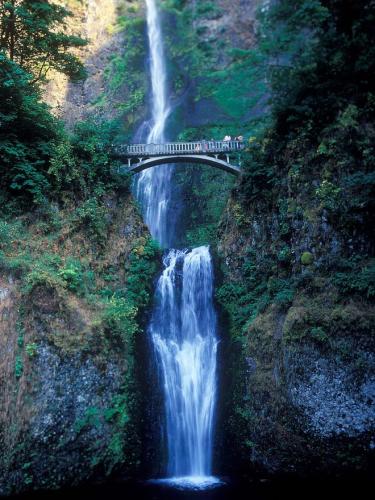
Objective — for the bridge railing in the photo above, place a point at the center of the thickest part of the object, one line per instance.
(178, 148)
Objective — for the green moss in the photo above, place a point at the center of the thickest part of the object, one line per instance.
(18, 366)
(125, 72)
(92, 418)
(100, 101)
(307, 258)
(209, 10)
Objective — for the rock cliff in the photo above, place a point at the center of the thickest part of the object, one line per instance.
(68, 337)
(114, 59)
(305, 392)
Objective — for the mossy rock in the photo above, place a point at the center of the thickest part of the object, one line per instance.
(307, 258)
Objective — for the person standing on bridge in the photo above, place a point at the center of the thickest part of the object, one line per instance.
(227, 138)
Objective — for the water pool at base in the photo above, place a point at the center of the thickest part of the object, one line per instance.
(289, 489)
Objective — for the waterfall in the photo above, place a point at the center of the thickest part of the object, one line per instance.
(183, 324)
(183, 331)
(153, 185)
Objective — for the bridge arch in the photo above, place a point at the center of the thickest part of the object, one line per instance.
(144, 164)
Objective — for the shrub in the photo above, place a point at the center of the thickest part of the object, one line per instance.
(91, 216)
(42, 277)
(143, 266)
(26, 135)
(329, 195)
(4, 233)
(31, 349)
(72, 276)
(359, 280)
(285, 297)
(10, 231)
(120, 317)
(284, 255)
(318, 333)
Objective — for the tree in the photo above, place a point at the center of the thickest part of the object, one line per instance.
(33, 34)
(27, 131)
(320, 56)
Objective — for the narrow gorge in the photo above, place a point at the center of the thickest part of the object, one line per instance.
(183, 323)
(183, 332)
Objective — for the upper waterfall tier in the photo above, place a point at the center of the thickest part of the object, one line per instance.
(160, 108)
(153, 186)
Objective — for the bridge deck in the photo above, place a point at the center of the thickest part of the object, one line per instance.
(178, 148)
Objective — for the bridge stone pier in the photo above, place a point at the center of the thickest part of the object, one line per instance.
(217, 154)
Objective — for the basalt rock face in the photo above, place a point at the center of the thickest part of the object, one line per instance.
(113, 59)
(202, 44)
(68, 396)
(92, 20)
(304, 394)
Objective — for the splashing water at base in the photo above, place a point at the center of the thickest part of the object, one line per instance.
(190, 482)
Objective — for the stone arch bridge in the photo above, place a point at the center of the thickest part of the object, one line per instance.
(217, 154)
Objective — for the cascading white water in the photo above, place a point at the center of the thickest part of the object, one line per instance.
(183, 330)
(153, 185)
(183, 325)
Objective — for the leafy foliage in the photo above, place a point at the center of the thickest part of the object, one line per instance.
(81, 165)
(311, 159)
(33, 34)
(355, 278)
(122, 308)
(26, 134)
(40, 161)
(142, 268)
(72, 276)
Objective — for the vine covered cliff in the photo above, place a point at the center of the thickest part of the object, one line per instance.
(297, 248)
(71, 305)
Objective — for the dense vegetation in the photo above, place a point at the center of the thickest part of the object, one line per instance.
(33, 34)
(63, 210)
(314, 153)
(303, 274)
(44, 167)
(310, 143)
(54, 182)
(40, 161)
(315, 59)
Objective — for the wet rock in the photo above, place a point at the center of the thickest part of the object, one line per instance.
(333, 401)
(4, 292)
